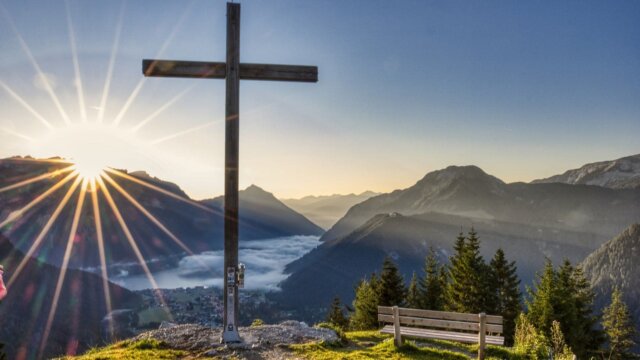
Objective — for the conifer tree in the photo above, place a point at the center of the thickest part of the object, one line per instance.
(391, 288)
(365, 304)
(432, 284)
(455, 291)
(576, 311)
(619, 329)
(469, 290)
(565, 296)
(335, 315)
(506, 286)
(483, 298)
(413, 294)
(374, 283)
(543, 300)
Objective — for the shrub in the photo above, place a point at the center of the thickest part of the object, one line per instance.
(528, 341)
(257, 322)
(341, 335)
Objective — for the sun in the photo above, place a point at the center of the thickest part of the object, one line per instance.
(89, 170)
(90, 146)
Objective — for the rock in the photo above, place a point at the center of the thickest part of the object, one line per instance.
(269, 340)
(292, 323)
(166, 325)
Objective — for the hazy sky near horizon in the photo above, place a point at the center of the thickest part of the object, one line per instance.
(522, 89)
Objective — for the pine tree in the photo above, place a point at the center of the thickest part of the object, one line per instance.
(484, 299)
(565, 296)
(470, 288)
(391, 288)
(374, 282)
(506, 286)
(336, 316)
(413, 294)
(618, 327)
(543, 300)
(455, 291)
(365, 304)
(576, 311)
(431, 285)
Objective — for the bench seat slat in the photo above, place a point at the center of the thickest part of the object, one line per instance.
(442, 324)
(440, 315)
(442, 335)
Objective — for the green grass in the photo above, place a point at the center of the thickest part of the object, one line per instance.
(359, 345)
(134, 350)
(374, 345)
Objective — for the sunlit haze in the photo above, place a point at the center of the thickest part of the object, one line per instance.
(524, 91)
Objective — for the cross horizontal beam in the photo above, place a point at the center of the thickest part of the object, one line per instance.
(218, 70)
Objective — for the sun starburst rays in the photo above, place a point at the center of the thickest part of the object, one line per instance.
(65, 262)
(45, 230)
(72, 180)
(93, 186)
(101, 252)
(132, 241)
(76, 63)
(36, 66)
(44, 176)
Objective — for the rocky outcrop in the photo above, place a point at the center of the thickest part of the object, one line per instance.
(259, 342)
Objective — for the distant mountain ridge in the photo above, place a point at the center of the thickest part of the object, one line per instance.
(336, 265)
(623, 173)
(262, 216)
(529, 221)
(468, 191)
(326, 210)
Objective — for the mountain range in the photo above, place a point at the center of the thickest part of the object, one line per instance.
(531, 222)
(198, 224)
(570, 215)
(326, 210)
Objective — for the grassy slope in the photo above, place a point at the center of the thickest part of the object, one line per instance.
(359, 345)
(373, 345)
(138, 350)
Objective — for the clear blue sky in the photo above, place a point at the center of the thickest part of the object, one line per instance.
(523, 89)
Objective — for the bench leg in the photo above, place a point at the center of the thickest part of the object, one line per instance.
(397, 336)
(482, 335)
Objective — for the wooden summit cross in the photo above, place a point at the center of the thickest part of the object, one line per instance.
(232, 71)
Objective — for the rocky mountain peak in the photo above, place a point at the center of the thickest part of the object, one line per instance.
(623, 173)
(457, 173)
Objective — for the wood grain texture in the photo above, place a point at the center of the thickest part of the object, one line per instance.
(442, 315)
(442, 324)
(442, 335)
(218, 70)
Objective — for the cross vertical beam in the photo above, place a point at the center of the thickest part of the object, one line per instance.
(232, 130)
(232, 71)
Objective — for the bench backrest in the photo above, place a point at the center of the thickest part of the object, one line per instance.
(441, 319)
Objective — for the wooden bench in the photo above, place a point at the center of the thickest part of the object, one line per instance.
(429, 324)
